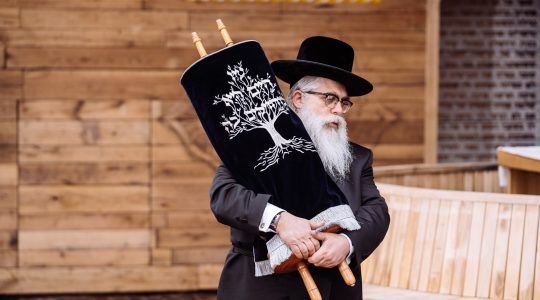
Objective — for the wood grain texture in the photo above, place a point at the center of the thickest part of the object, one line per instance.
(35, 199)
(83, 239)
(132, 19)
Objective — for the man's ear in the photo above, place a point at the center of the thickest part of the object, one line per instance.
(297, 99)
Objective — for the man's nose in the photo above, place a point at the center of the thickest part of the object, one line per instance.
(338, 109)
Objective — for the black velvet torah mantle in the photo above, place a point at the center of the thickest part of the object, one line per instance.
(262, 141)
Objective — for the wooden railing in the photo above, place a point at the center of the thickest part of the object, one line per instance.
(477, 177)
(461, 243)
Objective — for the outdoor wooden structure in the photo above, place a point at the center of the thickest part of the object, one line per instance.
(470, 244)
(104, 168)
(522, 166)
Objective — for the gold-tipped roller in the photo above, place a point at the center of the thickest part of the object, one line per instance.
(198, 44)
(224, 33)
(346, 273)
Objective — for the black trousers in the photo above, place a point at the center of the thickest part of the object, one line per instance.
(238, 282)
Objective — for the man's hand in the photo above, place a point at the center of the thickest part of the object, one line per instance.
(296, 233)
(333, 251)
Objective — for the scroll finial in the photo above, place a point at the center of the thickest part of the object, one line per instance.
(223, 30)
(198, 44)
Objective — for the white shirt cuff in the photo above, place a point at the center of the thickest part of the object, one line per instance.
(270, 211)
(351, 249)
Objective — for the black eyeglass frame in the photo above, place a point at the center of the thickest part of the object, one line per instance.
(331, 100)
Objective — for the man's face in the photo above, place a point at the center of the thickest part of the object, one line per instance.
(315, 103)
(326, 127)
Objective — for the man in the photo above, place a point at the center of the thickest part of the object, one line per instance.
(321, 83)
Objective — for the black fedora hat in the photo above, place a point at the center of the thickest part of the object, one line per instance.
(323, 57)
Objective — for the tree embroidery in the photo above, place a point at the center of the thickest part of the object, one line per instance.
(256, 103)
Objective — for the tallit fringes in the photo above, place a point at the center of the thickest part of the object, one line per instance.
(340, 215)
(263, 268)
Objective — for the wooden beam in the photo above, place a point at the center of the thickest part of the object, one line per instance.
(431, 97)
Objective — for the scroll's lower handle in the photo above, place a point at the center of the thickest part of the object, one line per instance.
(347, 274)
(311, 287)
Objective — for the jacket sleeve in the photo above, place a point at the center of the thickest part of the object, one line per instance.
(372, 215)
(234, 205)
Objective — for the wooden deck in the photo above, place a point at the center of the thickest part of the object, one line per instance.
(374, 292)
(371, 292)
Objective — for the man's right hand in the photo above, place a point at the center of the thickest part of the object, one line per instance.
(296, 233)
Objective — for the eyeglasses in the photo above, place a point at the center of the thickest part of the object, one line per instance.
(331, 100)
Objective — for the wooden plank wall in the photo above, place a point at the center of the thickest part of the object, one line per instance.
(104, 168)
(460, 243)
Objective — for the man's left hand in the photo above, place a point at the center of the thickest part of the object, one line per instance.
(333, 251)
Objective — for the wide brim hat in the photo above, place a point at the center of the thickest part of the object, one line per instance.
(323, 57)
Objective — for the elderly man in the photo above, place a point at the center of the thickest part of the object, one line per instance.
(321, 83)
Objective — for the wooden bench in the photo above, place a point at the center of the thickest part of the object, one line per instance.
(468, 244)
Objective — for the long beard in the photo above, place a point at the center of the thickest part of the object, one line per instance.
(332, 143)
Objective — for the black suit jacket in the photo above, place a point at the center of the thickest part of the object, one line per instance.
(242, 209)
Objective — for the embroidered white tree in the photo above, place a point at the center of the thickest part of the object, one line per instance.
(256, 103)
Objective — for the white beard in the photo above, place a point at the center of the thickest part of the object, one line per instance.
(332, 143)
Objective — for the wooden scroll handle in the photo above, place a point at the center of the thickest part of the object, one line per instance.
(224, 33)
(347, 274)
(311, 287)
(198, 44)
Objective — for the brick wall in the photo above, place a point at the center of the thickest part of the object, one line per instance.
(489, 77)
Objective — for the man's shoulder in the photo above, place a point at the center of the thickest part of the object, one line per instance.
(359, 150)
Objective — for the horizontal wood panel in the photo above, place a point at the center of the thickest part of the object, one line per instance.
(8, 153)
(45, 153)
(181, 196)
(8, 258)
(180, 171)
(170, 153)
(8, 220)
(84, 109)
(68, 37)
(103, 279)
(192, 219)
(161, 257)
(10, 85)
(47, 132)
(8, 109)
(373, 110)
(199, 256)
(8, 197)
(398, 132)
(170, 110)
(83, 199)
(181, 58)
(291, 40)
(83, 258)
(134, 19)
(383, 21)
(387, 5)
(397, 151)
(9, 174)
(103, 84)
(8, 132)
(83, 239)
(96, 58)
(84, 173)
(81, 4)
(9, 18)
(409, 78)
(8, 240)
(107, 220)
(192, 237)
